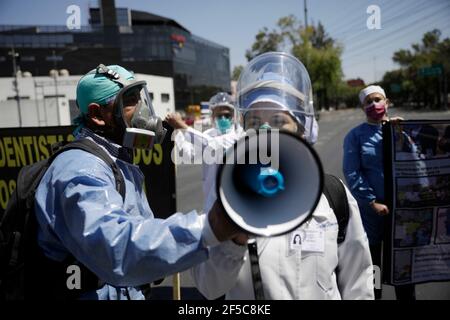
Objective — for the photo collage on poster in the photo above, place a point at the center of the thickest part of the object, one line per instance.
(421, 219)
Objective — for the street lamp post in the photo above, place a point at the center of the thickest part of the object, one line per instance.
(306, 14)
(15, 55)
(55, 74)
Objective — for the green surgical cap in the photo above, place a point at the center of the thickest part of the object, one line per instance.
(98, 88)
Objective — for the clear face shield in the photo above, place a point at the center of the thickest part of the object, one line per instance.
(133, 107)
(274, 91)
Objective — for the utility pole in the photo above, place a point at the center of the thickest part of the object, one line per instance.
(445, 90)
(55, 74)
(16, 68)
(374, 69)
(306, 14)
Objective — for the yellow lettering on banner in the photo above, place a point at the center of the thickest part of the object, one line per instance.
(12, 185)
(27, 141)
(9, 151)
(6, 189)
(136, 156)
(2, 155)
(51, 140)
(19, 152)
(154, 155)
(36, 148)
(4, 194)
(43, 147)
(157, 154)
(146, 156)
(61, 138)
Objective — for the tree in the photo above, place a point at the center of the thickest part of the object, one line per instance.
(320, 54)
(425, 91)
(323, 64)
(236, 72)
(265, 41)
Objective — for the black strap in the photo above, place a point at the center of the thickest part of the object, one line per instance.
(89, 281)
(256, 272)
(337, 197)
(93, 148)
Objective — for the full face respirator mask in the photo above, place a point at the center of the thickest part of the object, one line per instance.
(143, 128)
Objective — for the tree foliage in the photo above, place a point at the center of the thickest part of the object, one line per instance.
(236, 72)
(407, 85)
(320, 54)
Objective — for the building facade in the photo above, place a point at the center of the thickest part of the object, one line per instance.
(139, 41)
(45, 102)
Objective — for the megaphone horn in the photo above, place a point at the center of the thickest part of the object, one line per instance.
(269, 198)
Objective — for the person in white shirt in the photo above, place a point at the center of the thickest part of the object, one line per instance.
(197, 147)
(274, 91)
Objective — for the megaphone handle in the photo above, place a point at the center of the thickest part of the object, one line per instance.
(256, 272)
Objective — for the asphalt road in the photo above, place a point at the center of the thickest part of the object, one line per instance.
(334, 125)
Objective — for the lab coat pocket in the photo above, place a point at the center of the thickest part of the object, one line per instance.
(328, 261)
(323, 274)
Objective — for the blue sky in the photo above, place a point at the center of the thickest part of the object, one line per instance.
(234, 23)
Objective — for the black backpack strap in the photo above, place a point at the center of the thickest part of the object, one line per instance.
(89, 281)
(93, 148)
(256, 272)
(335, 193)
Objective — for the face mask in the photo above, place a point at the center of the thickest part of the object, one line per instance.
(145, 128)
(223, 124)
(376, 110)
(265, 126)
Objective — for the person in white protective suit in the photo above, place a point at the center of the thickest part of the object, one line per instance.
(274, 91)
(195, 146)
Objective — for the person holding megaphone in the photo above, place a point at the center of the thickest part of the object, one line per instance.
(91, 213)
(297, 247)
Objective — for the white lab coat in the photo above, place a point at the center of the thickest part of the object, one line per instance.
(194, 143)
(341, 271)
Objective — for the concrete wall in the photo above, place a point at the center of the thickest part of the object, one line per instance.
(35, 113)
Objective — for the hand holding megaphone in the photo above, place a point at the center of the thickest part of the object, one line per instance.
(223, 227)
